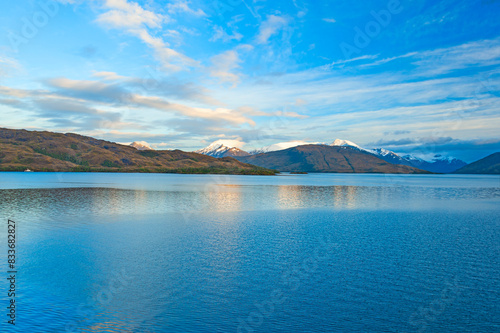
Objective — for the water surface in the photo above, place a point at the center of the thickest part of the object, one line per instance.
(289, 253)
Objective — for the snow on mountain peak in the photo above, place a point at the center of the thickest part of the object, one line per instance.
(444, 158)
(219, 149)
(280, 146)
(141, 145)
(409, 157)
(343, 143)
(383, 152)
(212, 148)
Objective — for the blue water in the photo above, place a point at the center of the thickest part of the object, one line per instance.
(290, 253)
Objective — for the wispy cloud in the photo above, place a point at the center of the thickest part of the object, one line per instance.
(221, 34)
(345, 61)
(271, 27)
(440, 61)
(109, 76)
(7, 65)
(90, 90)
(193, 112)
(131, 17)
(330, 20)
(225, 64)
(181, 6)
(125, 14)
(112, 104)
(13, 92)
(386, 60)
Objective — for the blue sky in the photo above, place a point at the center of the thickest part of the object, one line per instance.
(418, 76)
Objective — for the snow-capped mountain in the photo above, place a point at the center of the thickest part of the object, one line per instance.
(347, 143)
(439, 164)
(280, 146)
(390, 156)
(219, 150)
(141, 145)
(344, 143)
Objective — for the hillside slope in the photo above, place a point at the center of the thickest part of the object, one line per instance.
(488, 165)
(48, 151)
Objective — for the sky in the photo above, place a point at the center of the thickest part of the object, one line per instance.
(420, 77)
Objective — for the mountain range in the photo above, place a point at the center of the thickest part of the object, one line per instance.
(324, 158)
(438, 164)
(48, 151)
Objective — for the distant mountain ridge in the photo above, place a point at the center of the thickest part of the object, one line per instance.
(438, 164)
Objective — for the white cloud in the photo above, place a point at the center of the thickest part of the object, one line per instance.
(192, 112)
(8, 64)
(13, 92)
(124, 14)
(238, 143)
(444, 60)
(386, 60)
(285, 145)
(329, 20)
(270, 27)
(137, 21)
(300, 102)
(183, 7)
(224, 65)
(220, 33)
(109, 76)
(290, 114)
(345, 61)
(473, 54)
(8, 61)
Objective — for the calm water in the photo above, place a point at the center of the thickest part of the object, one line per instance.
(290, 253)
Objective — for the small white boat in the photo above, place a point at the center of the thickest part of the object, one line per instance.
(28, 170)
